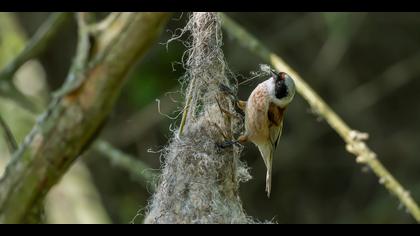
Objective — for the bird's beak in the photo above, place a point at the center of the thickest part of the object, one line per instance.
(274, 74)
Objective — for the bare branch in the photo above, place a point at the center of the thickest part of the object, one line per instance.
(74, 118)
(138, 169)
(149, 117)
(8, 135)
(48, 30)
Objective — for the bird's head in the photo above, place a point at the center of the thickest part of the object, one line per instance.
(284, 88)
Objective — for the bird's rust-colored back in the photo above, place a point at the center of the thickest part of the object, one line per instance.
(275, 114)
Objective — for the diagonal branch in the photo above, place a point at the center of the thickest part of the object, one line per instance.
(73, 119)
(355, 141)
(139, 170)
(9, 137)
(48, 30)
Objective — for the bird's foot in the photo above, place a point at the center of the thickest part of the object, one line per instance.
(239, 105)
(224, 88)
(227, 143)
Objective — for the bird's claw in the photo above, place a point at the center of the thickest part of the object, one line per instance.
(228, 143)
(226, 89)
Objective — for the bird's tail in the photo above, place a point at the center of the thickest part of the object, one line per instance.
(267, 155)
(268, 176)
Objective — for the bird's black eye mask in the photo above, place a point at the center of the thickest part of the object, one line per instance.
(280, 87)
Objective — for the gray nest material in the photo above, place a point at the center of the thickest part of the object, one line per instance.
(200, 181)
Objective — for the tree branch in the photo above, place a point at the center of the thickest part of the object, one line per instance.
(47, 31)
(74, 118)
(354, 140)
(8, 135)
(138, 169)
(149, 116)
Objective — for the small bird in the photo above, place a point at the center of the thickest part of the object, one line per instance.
(264, 112)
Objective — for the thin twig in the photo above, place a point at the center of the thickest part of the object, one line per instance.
(10, 91)
(8, 135)
(48, 30)
(121, 135)
(355, 141)
(138, 169)
(105, 23)
(185, 114)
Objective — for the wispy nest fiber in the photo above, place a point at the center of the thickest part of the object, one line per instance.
(200, 181)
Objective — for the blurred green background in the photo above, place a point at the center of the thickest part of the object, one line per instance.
(365, 65)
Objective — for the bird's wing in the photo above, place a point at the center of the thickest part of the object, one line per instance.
(275, 134)
(275, 117)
